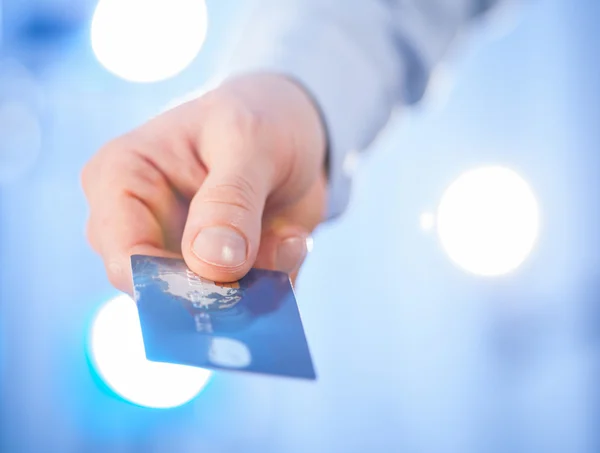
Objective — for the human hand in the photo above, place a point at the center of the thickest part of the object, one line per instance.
(232, 180)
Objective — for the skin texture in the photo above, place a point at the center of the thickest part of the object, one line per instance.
(247, 156)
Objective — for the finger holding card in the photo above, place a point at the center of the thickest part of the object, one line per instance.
(251, 325)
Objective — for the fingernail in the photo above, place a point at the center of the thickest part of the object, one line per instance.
(290, 254)
(220, 246)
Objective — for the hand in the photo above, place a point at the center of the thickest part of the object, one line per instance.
(232, 180)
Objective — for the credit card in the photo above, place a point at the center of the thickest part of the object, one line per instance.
(250, 325)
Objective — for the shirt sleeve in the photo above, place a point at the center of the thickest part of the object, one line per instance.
(356, 58)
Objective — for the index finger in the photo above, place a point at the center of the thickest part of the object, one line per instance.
(128, 227)
(133, 209)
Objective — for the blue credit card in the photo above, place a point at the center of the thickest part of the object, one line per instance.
(250, 325)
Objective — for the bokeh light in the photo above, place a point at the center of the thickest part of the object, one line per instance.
(117, 351)
(427, 221)
(148, 41)
(488, 221)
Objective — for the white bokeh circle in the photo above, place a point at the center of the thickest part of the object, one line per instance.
(117, 353)
(488, 220)
(148, 40)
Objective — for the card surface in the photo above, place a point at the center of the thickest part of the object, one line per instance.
(251, 325)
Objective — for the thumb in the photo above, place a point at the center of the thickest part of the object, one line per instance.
(222, 234)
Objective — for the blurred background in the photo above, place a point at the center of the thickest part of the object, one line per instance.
(424, 339)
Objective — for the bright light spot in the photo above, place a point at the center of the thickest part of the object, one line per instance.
(310, 244)
(20, 142)
(488, 221)
(118, 355)
(427, 220)
(350, 163)
(148, 40)
(230, 353)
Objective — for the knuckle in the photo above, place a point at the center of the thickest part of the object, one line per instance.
(244, 121)
(114, 154)
(235, 191)
(111, 150)
(110, 155)
(235, 114)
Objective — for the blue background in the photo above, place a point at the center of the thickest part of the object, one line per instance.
(412, 353)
